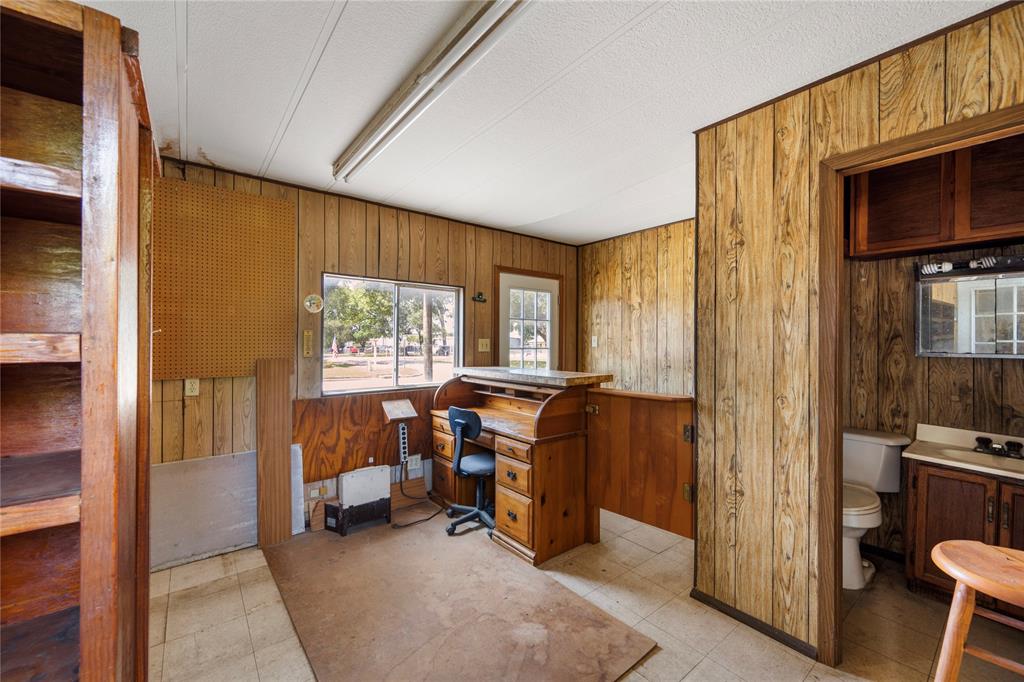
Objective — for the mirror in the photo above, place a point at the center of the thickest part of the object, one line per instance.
(971, 316)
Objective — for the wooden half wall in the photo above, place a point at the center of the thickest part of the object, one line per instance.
(757, 293)
(637, 302)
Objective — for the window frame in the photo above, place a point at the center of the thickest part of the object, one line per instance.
(458, 360)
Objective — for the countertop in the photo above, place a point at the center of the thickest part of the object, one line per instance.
(964, 458)
(537, 377)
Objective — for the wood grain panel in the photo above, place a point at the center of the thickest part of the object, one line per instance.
(912, 90)
(40, 573)
(725, 365)
(967, 81)
(173, 420)
(704, 380)
(311, 265)
(243, 414)
(332, 228)
(404, 246)
(372, 240)
(754, 375)
(456, 258)
(417, 247)
(791, 466)
(901, 405)
(273, 450)
(631, 311)
(863, 391)
(471, 307)
(40, 129)
(648, 338)
(1006, 58)
(353, 238)
(198, 441)
(486, 243)
(156, 421)
(435, 250)
(222, 414)
(342, 433)
(388, 256)
(570, 357)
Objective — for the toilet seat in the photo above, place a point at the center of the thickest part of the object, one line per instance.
(861, 507)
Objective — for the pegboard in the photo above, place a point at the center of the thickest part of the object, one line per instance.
(223, 280)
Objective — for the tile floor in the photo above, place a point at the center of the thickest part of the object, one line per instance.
(223, 619)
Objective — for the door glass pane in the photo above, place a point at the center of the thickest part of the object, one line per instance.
(530, 304)
(515, 334)
(516, 297)
(529, 334)
(543, 305)
(358, 320)
(529, 359)
(515, 358)
(543, 359)
(542, 335)
(426, 331)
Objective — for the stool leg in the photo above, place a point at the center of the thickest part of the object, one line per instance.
(957, 626)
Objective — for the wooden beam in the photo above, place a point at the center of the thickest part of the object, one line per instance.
(273, 450)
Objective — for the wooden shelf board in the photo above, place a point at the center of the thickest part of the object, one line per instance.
(46, 647)
(39, 491)
(38, 178)
(27, 348)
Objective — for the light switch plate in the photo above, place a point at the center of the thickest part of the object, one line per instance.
(307, 343)
(483, 345)
(191, 388)
(593, 342)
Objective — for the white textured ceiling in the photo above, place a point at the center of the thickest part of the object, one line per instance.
(576, 126)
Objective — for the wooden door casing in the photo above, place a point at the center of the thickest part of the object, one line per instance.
(972, 517)
(638, 458)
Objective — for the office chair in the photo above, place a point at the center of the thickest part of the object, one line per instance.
(466, 424)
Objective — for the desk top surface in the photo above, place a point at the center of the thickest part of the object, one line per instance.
(537, 377)
(501, 422)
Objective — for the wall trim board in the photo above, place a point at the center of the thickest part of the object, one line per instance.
(397, 207)
(867, 62)
(764, 628)
(831, 267)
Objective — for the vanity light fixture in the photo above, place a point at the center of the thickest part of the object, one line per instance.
(474, 39)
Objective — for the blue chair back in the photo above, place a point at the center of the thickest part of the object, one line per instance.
(464, 424)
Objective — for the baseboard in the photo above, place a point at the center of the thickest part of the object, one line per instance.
(792, 642)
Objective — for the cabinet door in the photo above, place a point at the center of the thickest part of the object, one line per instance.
(990, 190)
(905, 207)
(1011, 516)
(951, 505)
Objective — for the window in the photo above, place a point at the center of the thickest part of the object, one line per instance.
(529, 325)
(379, 334)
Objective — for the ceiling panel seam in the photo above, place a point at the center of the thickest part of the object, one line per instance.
(316, 53)
(181, 68)
(597, 47)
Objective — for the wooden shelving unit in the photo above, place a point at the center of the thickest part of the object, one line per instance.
(72, 554)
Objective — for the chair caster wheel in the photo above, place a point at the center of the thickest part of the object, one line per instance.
(450, 530)
(450, 513)
(490, 533)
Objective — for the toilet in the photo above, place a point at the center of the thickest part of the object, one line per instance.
(871, 465)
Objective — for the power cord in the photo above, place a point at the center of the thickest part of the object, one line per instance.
(426, 498)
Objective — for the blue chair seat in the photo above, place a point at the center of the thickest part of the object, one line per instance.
(481, 464)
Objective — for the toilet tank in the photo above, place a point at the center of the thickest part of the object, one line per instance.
(872, 458)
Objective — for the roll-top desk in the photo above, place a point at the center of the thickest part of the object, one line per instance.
(535, 422)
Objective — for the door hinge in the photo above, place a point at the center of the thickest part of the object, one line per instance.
(688, 433)
(688, 492)
(593, 409)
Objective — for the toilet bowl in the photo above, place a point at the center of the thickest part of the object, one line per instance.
(862, 510)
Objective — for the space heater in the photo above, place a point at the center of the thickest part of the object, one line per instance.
(363, 495)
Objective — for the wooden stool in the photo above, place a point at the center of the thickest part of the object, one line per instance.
(977, 567)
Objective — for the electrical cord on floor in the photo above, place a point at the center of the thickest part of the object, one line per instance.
(426, 498)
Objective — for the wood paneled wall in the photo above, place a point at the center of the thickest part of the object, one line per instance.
(888, 388)
(348, 236)
(757, 293)
(637, 298)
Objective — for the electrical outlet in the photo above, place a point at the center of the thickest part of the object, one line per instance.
(483, 345)
(191, 388)
(415, 462)
(371, 460)
(593, 342)
(323, 490)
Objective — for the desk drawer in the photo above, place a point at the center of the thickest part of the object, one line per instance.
(513, 448)
(444, 478)
(444, 444)
(514, 474)
(514, 515)
(441, 424)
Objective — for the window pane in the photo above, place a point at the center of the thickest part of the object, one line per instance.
(530, 305)
(1004, 298)
(516, 296)
(984, 348)
(543, 305)
(985, 301)
(1004, 327)
(1020, 299)
(426, 335)
(1020, 328)
(515, 334)
(529, 359)
(984, 329)
(358, 322)
(529, 334)
(542, 335)
(1004, 348)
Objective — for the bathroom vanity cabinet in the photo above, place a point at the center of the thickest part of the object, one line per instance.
(946, 503)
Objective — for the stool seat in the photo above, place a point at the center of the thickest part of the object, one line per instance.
(995, 571)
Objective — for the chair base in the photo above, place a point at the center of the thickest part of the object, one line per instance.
(482, 512)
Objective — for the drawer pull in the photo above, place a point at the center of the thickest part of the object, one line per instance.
(512, 515)
(511, 474)
(510, 448)
(1006, 514)
(440, 447)
(991, 510)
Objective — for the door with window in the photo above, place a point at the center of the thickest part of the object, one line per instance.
(528, 321)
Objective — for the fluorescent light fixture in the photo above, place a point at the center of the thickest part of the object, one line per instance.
(471, 44)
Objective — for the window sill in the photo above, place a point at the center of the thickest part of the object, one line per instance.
(371, 391)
